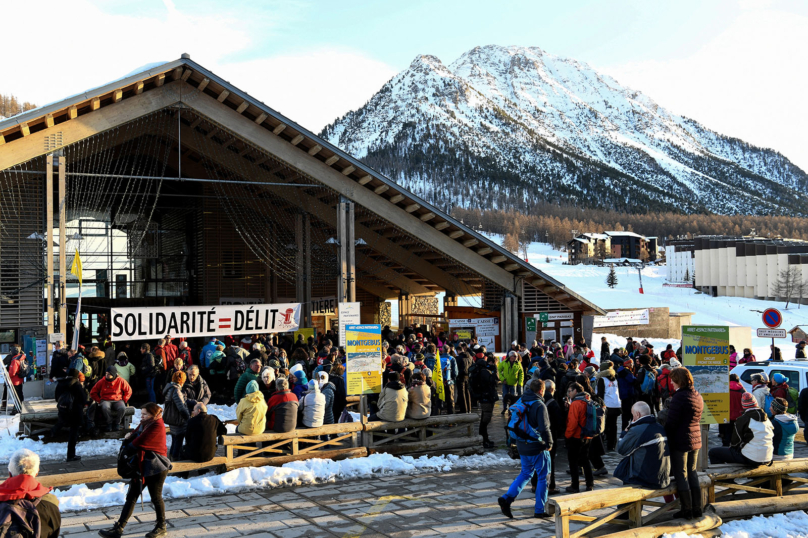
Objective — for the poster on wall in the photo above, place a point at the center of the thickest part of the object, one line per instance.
(488, 341)
(349, 314)
(188, 321)
(623, 318)
(363, 352)
(705, 352)
(481, 326)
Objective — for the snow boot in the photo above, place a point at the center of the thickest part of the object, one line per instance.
(115, 532)
(158, 531)
(686, 501)
(505, 507)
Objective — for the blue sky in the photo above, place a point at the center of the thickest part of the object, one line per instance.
(737, 66)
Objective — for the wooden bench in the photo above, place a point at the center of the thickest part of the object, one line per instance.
(724, 476)
(626, 499)
(39, 416)
(441, 432)
(302, 443)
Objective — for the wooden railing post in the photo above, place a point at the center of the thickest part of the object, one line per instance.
(562, 524)
(635, 514)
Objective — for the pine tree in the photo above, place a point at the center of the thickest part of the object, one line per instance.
(687, 275)
(611, 280)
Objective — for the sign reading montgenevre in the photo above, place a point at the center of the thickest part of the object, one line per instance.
(188, 321)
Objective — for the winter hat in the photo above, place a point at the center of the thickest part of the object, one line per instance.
(112, 370)
(675, 364)
(122, 359)
(178, 378)
(666, 366)
(419, 356)
(313, 386)
(748, 401)
(605, 365)
(589, 371)
(322, 378)
(779, 406)
(779, 378)
(252, 386)
(628, 363)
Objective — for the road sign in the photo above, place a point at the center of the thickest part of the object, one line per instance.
(771, 333)
(772, 318)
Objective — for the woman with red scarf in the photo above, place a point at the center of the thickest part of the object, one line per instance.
(148, 444)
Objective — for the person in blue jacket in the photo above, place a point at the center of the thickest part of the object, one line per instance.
(207, 351)
(449, 366)
(644, 446)
(786, 427)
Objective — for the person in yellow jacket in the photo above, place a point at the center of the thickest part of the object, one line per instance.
(513, 377)
(252, 411)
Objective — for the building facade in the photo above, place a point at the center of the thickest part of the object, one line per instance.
(680, 258)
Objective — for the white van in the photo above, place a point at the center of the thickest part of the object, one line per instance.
(795, 371)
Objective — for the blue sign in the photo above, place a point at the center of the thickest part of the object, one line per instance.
(772, 318)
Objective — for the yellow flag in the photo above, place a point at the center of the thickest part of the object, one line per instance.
(437, 377)
(76, 267)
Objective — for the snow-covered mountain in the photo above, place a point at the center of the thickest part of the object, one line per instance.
(503, 127)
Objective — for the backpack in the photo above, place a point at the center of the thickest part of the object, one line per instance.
(20, 519)
(518, 427)
(664, 386)
(64, 405)
(648, 382)
(767, 405)
(792, 398)
(240, 365)
(595, 422)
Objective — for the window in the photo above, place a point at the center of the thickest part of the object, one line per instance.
(746, 376)
(232, 264)
(792, 375)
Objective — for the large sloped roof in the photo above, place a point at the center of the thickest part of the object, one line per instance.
(21, 140)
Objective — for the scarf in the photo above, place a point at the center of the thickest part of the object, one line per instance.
(151, 436)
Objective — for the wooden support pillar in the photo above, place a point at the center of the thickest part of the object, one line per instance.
(307, 269)
(62, 245)
(342, 232)
(351, 254)
(299, 262)
(404, 307)
(49, 248)
(509, 321)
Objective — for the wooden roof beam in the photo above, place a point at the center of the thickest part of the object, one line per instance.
(138, 87)
(396, 198)
(117, 95)
(457, 233)
(186, 75)
(297, 140)
(261, 117)
(412, 208)
(511, 266)
(348, 170)
(242, 107)
(364, 180)
(72, 112)
(470, 242)
(442, 225)
(222, 96)
(177, 73)
(95, 104)
(279, 128)
(196, 123)
(380, 189)
(24, 129)
(49, 121)
(315, 149)
(427, 216)
(498, 259)
(331, 160)
(160, 80)
(485, 250)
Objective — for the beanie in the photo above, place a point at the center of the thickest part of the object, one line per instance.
(779, 406)
(748, 401)
(252, 386)
(779, 378)
(589, 370)
(675, 364)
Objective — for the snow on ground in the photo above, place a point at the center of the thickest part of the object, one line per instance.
(590, 282)
(788, 525)
(80, 497)
(9, 442)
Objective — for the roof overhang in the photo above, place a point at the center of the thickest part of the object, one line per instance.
(48, 128)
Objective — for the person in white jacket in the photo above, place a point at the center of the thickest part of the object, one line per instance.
(312, 406)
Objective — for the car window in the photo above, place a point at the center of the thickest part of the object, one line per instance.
(746, 376)
(792, 375)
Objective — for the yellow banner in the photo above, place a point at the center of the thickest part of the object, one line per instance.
(437, 377)
(76, 267)
(464, 334)
(705, 352)
(363, 350)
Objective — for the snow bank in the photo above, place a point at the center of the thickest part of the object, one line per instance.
(788, 525)
(298, 473)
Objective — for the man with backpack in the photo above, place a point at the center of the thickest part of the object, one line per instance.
(25, 502)
(581, 426)
(646, 381)
(530, 426)
(483, 383)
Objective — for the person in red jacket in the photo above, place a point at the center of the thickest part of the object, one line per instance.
(577, 446)
(170, 351)
(17, 371)
(185, 355)
(282, 408)
(110, 395)
(736, 392)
